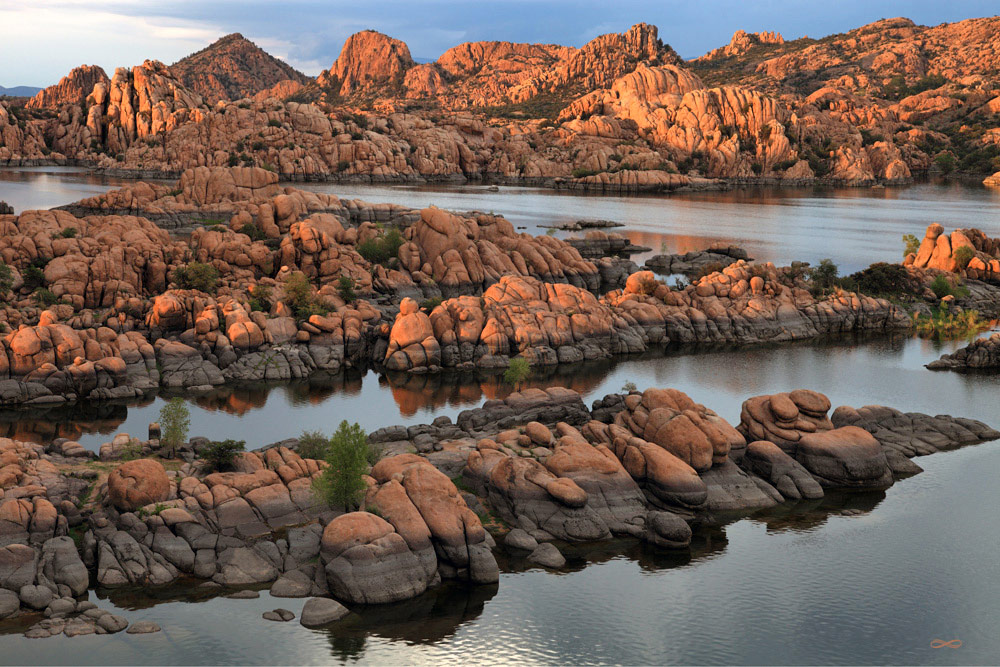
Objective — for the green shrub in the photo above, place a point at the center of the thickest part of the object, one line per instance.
(253, 231)
(313, 445)
(341, 483)
(945, 162)
(382, 248)
(220, 454)
(943, 287)
(427, 305)
(963, 255)
(517, 372)
(68, 233)
(580, 172)
(45, 297)
(345, 288)
(911, 245)
(197, 276)
(942, 323)
(175, 420)
(299, 297)
(260, 298)
(6, 279)
(343, 165)
(274, 122)
(33, 277)
(881, 279)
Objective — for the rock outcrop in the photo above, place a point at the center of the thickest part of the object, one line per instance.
(233, 68)
(980, 354)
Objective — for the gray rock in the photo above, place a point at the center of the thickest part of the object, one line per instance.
(112, 623)
(9, 603)
(142, 628)
(36, 597)
(294, 584)
(17, 566)
(243, 566)
(61, 564)
(547, 555)
(79, 626)
(520, 539)
(665, 529)
(321, 611)
(244, 595)
(61, 607)
(283, 615)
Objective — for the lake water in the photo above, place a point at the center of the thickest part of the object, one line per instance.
(853, 226)
(806, 584)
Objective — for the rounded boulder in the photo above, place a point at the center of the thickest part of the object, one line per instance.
(137, 483)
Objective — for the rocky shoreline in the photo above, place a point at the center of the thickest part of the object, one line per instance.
(534, 471)
(295, 282)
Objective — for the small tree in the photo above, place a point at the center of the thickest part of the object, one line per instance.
(824, 276)
(175, 419)
(6, 279)
(963, 255)
(341, 483)
(911, 243)
(345, 287)
(517, 372)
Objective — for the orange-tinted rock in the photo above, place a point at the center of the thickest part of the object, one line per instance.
(137, 483)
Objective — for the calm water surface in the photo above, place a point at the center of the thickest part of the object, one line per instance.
(799, 585)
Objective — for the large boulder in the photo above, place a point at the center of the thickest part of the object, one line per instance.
(670, 419)
(785, 418)
(137, 483)
(367, 562)
(848, 456)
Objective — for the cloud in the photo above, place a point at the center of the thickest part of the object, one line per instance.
(44, 39)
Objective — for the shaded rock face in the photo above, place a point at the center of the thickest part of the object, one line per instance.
(137, 483)
(912, 433)
(845, 457)
(233, 68)
(367, 561)
(980, 354)
(696, 261)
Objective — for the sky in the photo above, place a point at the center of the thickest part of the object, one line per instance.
(41, 40)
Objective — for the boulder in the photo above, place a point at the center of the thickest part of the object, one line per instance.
(137, 483)
(848, 456)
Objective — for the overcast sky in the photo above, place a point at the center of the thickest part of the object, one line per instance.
(41, 40)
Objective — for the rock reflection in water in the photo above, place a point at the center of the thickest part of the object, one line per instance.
(427, 619)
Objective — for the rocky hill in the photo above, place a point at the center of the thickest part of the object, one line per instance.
(18, 91)
(885, 103)
(233, 68)
(374, 68)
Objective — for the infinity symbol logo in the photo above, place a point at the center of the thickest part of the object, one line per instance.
(940, 643)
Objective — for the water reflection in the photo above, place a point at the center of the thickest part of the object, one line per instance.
(852, 370)
(47, 187)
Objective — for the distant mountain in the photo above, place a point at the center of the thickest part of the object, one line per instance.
(19, 91)
(233, 68)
